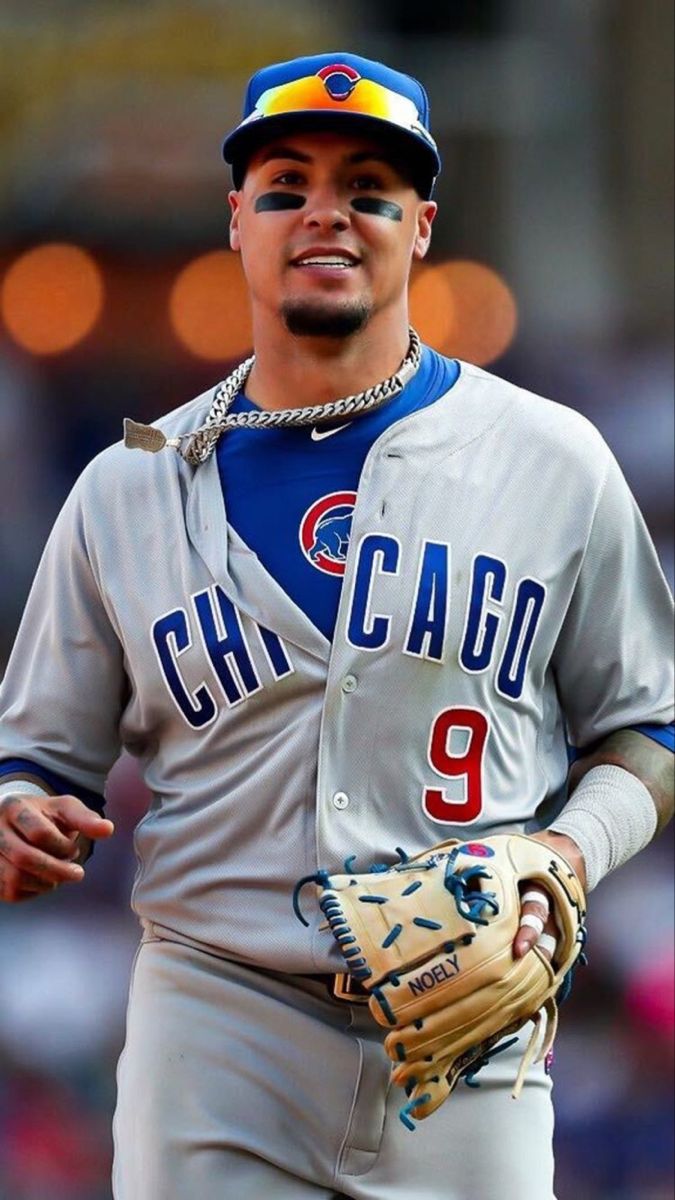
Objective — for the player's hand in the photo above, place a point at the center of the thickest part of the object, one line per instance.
(41, 837)
(539, 909)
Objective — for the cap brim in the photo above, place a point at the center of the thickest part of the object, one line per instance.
(419, 156)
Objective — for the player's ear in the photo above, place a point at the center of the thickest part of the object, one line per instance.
(234, 200)
(425, 218)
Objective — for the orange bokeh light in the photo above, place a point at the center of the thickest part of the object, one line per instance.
(51, 298)
(432, 306)
(209, 306)
(464, 309)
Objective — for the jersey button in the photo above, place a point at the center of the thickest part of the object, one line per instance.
(340, 800)
(349, 683)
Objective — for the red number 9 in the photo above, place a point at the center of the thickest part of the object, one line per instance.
(468, 766)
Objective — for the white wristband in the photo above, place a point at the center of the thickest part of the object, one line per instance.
(24, 787)
(611, 816)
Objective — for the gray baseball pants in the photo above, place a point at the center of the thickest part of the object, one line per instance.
(242, 1084)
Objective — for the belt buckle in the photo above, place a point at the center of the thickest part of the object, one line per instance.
(345, 988)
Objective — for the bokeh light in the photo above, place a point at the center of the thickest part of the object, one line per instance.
(51, 298)
(464, 309)
(432, 306)
(209, 306)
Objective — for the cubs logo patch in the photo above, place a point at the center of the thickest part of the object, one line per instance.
(325, 530)
(339, 80)
(477, 849)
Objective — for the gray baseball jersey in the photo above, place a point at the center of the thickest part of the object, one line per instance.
(501, 598)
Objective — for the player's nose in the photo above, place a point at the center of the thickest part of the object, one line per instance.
(326, 209)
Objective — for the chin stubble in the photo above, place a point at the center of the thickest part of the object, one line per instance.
(305, 319)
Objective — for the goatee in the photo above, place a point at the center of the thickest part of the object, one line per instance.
(305, 318)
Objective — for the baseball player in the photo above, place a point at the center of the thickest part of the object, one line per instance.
(360, 597)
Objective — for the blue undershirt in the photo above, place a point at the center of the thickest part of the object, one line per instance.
(290, 493)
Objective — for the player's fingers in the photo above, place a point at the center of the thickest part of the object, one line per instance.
(548, 940)
(25, 890)
(547, 943)
(537, 896)
(39, 829)
(53, 822)
(71, 815)
(18, 885)
(30, 859)
(534, 916)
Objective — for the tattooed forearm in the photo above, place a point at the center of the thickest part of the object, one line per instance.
(650, 762)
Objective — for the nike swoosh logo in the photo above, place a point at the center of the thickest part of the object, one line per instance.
(317, 435)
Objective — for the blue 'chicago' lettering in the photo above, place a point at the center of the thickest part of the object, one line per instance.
(378, 553)
(171, 638)
(367, 629)
(487, 583)
(276, 653)
(225, 644)
(426, 634)
(229, 654)
(530, 598)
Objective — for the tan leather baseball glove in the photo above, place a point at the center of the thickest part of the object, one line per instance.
(431, 939)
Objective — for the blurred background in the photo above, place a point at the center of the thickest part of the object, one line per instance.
(551, 264)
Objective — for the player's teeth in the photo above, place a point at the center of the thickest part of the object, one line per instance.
(325, 262)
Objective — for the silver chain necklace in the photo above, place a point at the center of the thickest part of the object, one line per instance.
(201, 443)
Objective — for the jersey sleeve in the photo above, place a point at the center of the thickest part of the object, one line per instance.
(613, 659)
(64, 688)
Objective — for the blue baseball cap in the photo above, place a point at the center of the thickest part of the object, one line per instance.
(337, 91)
